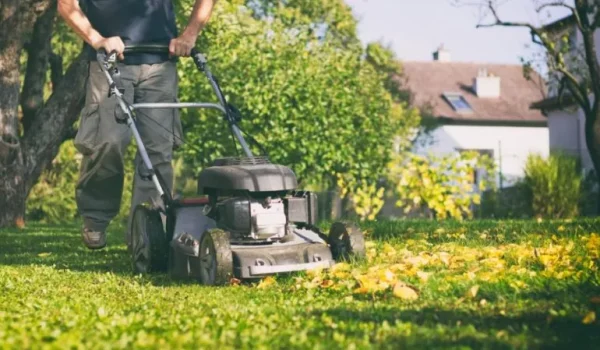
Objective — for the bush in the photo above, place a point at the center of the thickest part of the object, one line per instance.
(440, 185)
(52, 199)
(554, 185)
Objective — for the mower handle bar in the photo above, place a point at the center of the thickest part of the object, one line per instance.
(200, 61)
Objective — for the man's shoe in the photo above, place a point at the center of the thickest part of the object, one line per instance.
(93, 239)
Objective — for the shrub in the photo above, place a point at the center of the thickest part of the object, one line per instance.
(52, 199)
(554, 185)
(442, 185)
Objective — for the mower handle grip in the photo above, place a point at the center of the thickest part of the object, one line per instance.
(103, 57)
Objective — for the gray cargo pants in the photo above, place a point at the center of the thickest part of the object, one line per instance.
(103, 142)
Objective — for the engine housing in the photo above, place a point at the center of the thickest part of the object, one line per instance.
(251, 218)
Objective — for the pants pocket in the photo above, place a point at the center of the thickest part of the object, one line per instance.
(85, 140)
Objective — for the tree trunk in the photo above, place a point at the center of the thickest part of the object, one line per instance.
(12, 169)
(592, 140)
(23, 155)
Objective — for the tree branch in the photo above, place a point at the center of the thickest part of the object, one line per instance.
(578, 91)
(38, 52)
(53, 123)
(56, 69)
(563, 4)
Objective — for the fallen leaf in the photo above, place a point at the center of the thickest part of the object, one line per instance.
(101, 312)
(424, 276)
(43, 255)
(404, 292)
(472, 292)
(589, 318)
(266, 282)
(595, 300)
(326, 283)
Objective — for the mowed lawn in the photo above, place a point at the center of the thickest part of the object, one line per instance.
(480, 284)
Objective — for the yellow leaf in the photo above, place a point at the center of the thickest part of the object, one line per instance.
(404, 292)
(340, 267)
(424, 276)
(589, 318)
(43, 255)
(361, 290)
(387, 276)
(327, 283)
(472, 292)
(101, 312)
(268, 281)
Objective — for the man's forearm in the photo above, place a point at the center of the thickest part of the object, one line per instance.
(76, 19)
(199, 17)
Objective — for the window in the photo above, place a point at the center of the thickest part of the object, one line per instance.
(478, 173)
(458, 102)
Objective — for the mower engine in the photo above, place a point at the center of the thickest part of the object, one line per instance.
(259, 219)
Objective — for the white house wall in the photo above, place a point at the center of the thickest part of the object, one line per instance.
(567, 134)
(510, 145)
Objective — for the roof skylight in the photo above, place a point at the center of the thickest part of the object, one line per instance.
(458, 102)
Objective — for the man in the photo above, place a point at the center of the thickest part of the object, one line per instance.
(110, 25)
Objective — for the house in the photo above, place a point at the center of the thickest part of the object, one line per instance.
(566, 119)
(480, 106)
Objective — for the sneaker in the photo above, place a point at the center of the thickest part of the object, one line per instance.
(93, 239)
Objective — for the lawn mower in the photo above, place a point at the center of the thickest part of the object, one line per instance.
(249, 220)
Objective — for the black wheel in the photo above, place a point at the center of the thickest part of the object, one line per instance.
(346, 241)
(216, 259)
(150, 248)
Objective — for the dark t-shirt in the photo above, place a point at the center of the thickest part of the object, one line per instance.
(135, 21)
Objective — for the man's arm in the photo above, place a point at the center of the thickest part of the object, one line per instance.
(182, 46)
(77, 20)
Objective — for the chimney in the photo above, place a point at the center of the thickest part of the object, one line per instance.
(441, 54)
(486, 85)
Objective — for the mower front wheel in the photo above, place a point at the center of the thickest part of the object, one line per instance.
(346, 241)
(216, 258)
(150, 248)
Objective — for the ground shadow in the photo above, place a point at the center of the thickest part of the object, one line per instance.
(62, 248)
(537, 330)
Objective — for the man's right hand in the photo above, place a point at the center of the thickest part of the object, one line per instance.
(112, 44)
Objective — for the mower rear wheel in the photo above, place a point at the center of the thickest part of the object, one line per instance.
(150, 248)
(216, 258)
(346, 241)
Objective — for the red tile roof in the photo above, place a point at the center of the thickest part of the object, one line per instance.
(428, 81)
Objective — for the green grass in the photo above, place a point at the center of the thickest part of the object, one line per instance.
(534, 282)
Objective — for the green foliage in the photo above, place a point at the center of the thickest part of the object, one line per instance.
(314, 104)
(52, 199)
(479, 284)
(443, 185)
(554, 185)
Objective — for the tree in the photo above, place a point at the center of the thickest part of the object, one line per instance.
(579, 83)
(32, 126)
(309, 92)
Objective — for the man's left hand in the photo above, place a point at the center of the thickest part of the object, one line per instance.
(182, 46)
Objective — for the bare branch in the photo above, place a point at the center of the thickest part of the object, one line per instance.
(554, 4)
(539, 37)
(563, 4)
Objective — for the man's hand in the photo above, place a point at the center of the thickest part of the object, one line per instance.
(182, 46)
(112, 44)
